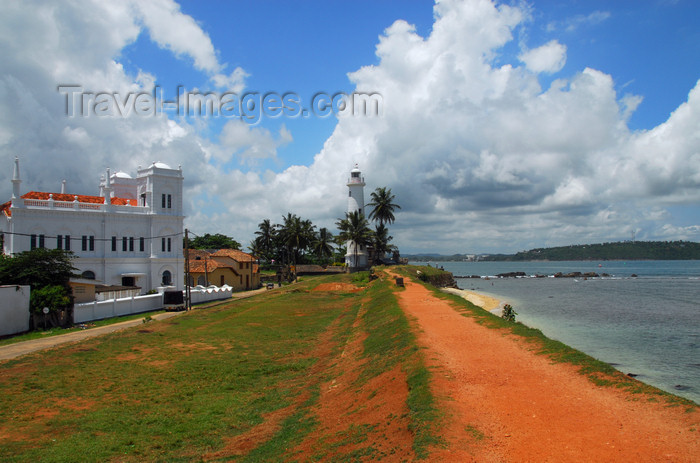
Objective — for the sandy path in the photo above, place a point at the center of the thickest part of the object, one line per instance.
(509, 404)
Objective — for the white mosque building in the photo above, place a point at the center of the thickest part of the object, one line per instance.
(128, 235)
(356, 257)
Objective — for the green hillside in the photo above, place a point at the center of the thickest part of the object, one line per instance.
(625, 250)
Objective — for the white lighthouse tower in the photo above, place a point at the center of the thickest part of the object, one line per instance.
(356, 257)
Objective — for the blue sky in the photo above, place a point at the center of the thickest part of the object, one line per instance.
(506, 126)
(651, 48)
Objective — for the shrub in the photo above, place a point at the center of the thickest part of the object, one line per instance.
(55, 297)
(509, 313)
(360, 278)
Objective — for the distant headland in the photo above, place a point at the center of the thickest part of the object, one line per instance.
(622, 250)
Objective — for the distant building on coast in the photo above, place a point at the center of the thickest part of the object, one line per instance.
(130, 235)
(356, 256)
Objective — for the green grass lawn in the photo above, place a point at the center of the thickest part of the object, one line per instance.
(40, 334)
(183, 388)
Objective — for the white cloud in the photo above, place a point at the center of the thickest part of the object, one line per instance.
(178, 32)
(249, 143)
(482, 154)
(481, 158)
(549, 58)
(573, 23)
(182, 35)
(233, 82)
(45, 45)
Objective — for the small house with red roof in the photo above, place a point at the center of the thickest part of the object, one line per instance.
(224, 267)
(129, 235)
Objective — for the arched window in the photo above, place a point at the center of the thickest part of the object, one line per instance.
(167, 278)
(88, 275)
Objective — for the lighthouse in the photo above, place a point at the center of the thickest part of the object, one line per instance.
(356, 202)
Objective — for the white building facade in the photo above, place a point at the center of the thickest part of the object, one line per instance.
(356, 255)
(129, 235)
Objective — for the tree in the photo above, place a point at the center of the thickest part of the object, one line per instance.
(47, 272)
(265, 241)
(354, 227)
(56, 298)
(323, 244)
(216, 241)
(254, 248)
(38, 268)
(380, 241)
(296, 235)
(382, 206)
(508, 313)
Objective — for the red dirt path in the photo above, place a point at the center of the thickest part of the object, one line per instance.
(509, 404)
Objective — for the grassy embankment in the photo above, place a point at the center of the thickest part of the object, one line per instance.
(41, 334)
(57, 331)
(241, 381)
(600, 373)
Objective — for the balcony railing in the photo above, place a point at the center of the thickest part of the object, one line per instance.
(77, 205)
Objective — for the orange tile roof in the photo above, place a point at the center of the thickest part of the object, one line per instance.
(81, 198)
(5, 208)
(197, 266)
(68, 197)
(201, 253)
(198, 259)
(235, 254)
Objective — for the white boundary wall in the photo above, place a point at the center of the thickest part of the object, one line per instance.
(99, 310)
(14, 309)
(200, 294)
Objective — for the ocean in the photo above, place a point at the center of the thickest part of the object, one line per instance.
(648, 325)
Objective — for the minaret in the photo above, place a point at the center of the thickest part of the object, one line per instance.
(107, 189)
(16, 181)
(356, 202)
(17, 200)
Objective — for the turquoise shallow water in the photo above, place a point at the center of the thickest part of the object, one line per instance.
(648, 326)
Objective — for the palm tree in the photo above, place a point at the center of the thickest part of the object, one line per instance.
(323, 244)
(382, 206)
(381, 241)
(265, 239)
(296, 235)
(354, 227)
(254, 248)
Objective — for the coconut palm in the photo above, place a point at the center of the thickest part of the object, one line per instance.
(254, 248)
(323, 244)
(380, 241)
(354, 227)
(296, 235)
(382, 206)
(266, 239)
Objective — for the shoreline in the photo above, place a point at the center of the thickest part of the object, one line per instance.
(488, 303)
(493, 303)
